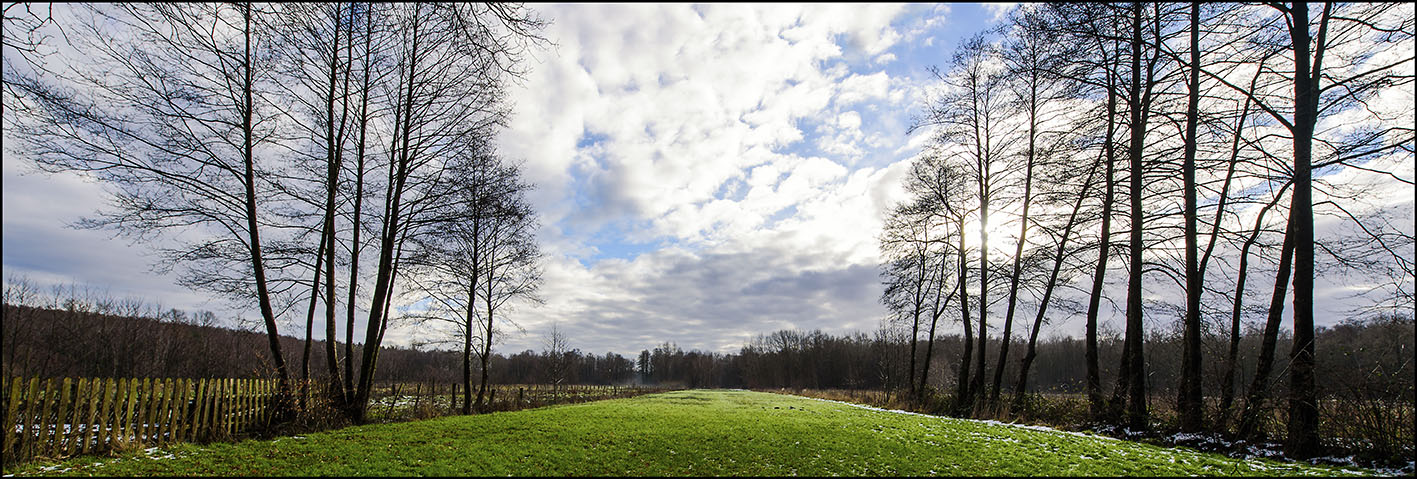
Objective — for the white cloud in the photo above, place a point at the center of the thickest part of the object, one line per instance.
(701, 114)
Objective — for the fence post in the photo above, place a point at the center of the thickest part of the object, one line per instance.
(262, 390)
(148, 408)
(46, 402)
(167, 432)
(95, 390)
(218, 408)
(115, 421)
(104, 423)
(63, 425)
(179, 418)
(238, 403)
(11, 410)
(27, 416)
(131, 414)
(392, 400)
(214, 387)
(248, 394)
(199, 411)
(228, 390)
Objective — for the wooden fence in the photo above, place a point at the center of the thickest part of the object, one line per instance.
(53, 418)
(61, 417)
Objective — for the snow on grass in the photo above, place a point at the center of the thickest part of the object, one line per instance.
(978, 421)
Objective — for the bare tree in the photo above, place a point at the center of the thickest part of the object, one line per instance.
(1029, 54)
(450, 61)
(1337, 67)
(906, 242)
(556, 349)
(169, 111)
(971, 117)
(1189, 401)
(1060, 257)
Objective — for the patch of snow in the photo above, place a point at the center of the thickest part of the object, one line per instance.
(978, 421)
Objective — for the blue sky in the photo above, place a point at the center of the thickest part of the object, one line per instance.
(704, 173)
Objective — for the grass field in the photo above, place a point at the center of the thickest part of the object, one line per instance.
(700, 432)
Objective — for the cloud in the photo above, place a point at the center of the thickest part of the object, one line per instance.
(727, 140)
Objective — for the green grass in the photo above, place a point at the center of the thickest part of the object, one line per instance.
(682, 433)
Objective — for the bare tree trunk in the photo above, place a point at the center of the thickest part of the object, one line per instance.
(1188, 402)
(1227, 397)
(310, 323)
(355, 246)
(964, 396)
(915, 321)
(1134, 362)
(1259, 386)
(1303, 439)
(1020, 387)
(936, 310)
(389, 241)
(977, 384)
(334, 161)
(1232, 356)
(1094, 379)
(467, 352)
(1022, 238)
(257, 261)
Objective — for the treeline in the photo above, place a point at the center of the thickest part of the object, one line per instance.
(1193, 168)
(76, 338)
(1365, 359)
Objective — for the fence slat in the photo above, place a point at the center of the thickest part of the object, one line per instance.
(28, 414)
(139, 403)
(131, 411)
(238, 403)
(238, 406)
(179, 417)
(47, 398)
(147, 407)
(223, 408)
(199, 413)
(16, 388)
(161, 419)
(213, 401)
(215, 389)
(264, 403)
(77, 427)
(171, 418)
(164, 412)
(62, 424)
(105, 419)
(245, 405)
(95, 391)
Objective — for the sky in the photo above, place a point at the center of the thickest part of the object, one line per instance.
(703, 174)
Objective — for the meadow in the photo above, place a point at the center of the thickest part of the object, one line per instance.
(693, 433)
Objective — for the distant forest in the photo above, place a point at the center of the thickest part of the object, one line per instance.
(1373, 356)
